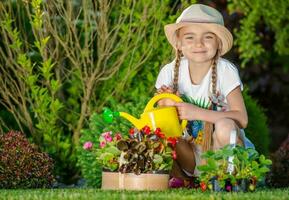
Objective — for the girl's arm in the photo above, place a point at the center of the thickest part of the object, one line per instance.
(237, 110)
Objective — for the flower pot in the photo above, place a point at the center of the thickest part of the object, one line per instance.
(131, 181)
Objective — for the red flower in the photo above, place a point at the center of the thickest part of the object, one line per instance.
(161, 135)
(174, 155)
(203, 186)
(157, 131)
(172, 141)
(146, 129)
(131, 131)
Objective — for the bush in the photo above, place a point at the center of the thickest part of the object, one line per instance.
(279, 175)
(257, 130)
(22, 165)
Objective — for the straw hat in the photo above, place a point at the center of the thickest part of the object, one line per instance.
(201, 15)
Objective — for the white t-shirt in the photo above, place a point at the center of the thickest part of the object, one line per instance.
(227, 80)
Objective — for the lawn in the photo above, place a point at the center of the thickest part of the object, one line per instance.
(86, 194)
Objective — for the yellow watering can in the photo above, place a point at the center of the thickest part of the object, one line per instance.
(165, 118)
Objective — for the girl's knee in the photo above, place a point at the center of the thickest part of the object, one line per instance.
(225, 124)
(223, 128)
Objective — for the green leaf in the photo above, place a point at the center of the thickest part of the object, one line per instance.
(45, 40)
(157, 159)
(113, 150)
(267, 162)
(264, 169)
(255, 165)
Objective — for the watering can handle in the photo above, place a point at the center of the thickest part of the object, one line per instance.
(158, 97)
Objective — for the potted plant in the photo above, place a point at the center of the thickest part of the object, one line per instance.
(248, 168)
(139, 161)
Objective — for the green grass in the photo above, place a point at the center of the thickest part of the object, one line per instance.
(86, 194)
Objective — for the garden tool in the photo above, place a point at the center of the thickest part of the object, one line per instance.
(165, 118)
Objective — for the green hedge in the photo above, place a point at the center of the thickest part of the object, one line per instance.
(257, 130)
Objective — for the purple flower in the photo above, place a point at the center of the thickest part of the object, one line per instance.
(228, 188)
(87, 145)
(176, 183)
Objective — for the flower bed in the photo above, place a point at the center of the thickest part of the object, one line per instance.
(135, 161)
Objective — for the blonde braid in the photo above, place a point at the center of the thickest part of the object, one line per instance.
(176, 71)
(214, 77)
(209, 127)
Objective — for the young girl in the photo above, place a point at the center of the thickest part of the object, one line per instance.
(209, 84)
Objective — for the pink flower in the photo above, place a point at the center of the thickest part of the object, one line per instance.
(87, 145)
(102, 144)
(174, 155)
(228, 188)
(117, 136)
(107, 136)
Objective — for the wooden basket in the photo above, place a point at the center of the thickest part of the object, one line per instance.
(131, 181)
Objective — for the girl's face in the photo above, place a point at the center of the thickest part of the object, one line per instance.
(197, 43)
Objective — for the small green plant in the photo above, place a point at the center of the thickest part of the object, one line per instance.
(22, 165)
(248, 165)
(216, 167)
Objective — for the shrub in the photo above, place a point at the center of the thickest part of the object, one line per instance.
(22, 165)
(279, 175)
(257, 130)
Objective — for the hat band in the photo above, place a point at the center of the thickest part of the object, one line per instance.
(199, 21)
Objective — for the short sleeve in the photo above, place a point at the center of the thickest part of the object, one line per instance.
(230, 78)
(165, 76)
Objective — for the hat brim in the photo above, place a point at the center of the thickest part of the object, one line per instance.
(222, 32)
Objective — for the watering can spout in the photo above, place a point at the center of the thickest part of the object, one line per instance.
(136, 122)
(109, 116)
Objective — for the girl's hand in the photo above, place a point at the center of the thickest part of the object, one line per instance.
(165, 89)
(166, 101)
(188, 111)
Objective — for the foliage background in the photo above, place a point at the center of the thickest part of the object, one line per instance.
(63, 60)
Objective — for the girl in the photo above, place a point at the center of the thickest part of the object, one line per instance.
(209, 84)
